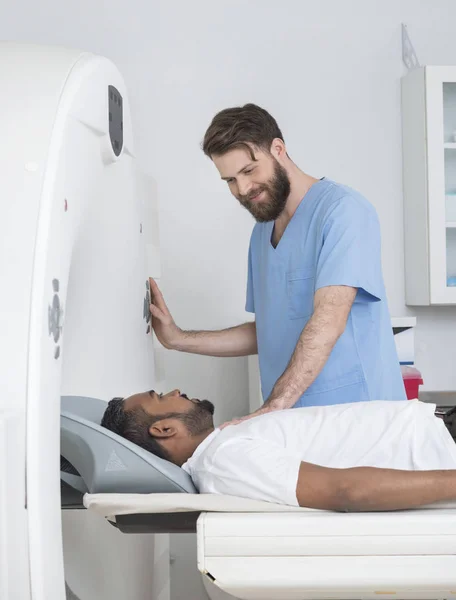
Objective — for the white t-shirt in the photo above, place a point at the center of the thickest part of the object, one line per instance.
(260, 458)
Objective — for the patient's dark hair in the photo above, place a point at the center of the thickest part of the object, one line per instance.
(133, 425)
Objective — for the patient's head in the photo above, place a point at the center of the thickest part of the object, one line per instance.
(168, 425)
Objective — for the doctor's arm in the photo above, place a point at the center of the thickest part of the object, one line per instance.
(361, 489)
(240, 340)
(332, 306)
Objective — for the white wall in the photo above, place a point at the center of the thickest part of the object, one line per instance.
(328, 71)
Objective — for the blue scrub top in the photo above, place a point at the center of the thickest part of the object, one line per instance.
(332, 239)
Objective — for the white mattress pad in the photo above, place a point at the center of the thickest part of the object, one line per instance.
(109, 505)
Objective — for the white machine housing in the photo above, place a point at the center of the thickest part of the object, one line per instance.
(78, 241)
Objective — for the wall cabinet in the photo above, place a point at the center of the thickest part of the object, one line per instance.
(429, 184)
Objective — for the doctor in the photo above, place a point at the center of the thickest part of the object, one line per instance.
(322, 326)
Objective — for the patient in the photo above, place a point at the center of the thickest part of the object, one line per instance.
(370, 456)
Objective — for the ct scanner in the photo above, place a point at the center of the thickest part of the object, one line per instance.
(78, 240)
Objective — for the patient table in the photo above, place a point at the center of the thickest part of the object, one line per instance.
(258, 550)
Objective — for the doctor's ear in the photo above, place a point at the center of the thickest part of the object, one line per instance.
(166, 428)
(277, 148)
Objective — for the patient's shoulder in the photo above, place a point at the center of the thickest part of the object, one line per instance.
(226, 446)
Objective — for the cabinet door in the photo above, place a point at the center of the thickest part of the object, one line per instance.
(441, 169)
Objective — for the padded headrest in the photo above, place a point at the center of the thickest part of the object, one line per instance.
(104, 462)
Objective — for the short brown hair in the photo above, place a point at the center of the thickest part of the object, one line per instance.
(238, 127)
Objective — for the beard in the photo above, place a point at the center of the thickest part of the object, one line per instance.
(199, 418)
(277, 190)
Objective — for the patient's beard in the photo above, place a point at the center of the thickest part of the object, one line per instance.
(199, 419)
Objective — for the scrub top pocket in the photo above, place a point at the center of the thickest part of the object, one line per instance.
(300, 292)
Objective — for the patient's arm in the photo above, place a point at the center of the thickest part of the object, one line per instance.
(371, 489)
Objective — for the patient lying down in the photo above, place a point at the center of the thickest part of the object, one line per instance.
(365, 456)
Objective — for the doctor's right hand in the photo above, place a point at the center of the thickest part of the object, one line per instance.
(166, 330)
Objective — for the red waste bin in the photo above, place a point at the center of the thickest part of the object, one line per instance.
(412, 381)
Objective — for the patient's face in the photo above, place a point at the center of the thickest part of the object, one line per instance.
(163, 404)
(178, 424)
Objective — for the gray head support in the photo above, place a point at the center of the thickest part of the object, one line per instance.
(101, 461)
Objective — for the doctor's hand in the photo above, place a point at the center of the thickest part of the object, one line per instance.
(166, 330)
(266, 408)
